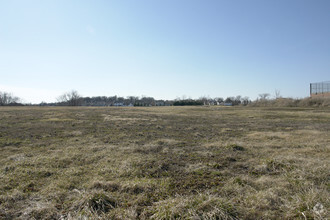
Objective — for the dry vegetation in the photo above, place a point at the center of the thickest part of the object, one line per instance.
(290, 102)
(164, 163)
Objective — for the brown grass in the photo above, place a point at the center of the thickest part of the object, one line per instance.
(164, 163)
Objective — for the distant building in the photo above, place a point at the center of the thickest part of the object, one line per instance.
(119, 104)
(321, 89)
(160, 103)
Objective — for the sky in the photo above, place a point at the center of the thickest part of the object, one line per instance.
(163, 48)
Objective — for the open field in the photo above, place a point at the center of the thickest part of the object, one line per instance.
(164, 163)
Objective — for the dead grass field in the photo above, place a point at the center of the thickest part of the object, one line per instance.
(164, 163)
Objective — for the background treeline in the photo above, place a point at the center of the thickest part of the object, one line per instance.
(73, 98)
(8, 99)
(187, 102)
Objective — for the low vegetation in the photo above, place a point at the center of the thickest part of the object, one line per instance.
(164, 163)
(289, 102)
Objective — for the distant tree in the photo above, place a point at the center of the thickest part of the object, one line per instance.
(70, 98)
(264, 96)
(237, 100)
(219, 100)
(245, 100)
(120, 100)
(43, 103)
(147, 101)
(188, 102)
(229, 100)
(204, 100)
(277, 94)
(132, 99)
(112, 100)
(8, 99)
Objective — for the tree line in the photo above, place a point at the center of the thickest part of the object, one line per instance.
(73, 98)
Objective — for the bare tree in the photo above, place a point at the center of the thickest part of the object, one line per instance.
(229, 99)
(7, 99)
(132, 99)
(147, 101)
(204, 99)
(219, 100)
(264, 96)
(70, 98)
(237, 100)
(245, 100)
(277, 94)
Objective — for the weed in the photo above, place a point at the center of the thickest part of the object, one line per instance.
(101, 203)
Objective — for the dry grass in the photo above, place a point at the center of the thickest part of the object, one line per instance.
(164, 163)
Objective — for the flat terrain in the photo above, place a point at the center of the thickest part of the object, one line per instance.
(164, 163)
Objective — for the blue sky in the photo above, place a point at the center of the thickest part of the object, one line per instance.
(165, 49)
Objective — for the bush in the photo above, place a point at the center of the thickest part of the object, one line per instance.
(188, 102)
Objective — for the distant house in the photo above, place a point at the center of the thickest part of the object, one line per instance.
(160, 103)
(118, 104)
(213, 102)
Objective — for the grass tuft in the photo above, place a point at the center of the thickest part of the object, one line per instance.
(101, 203)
